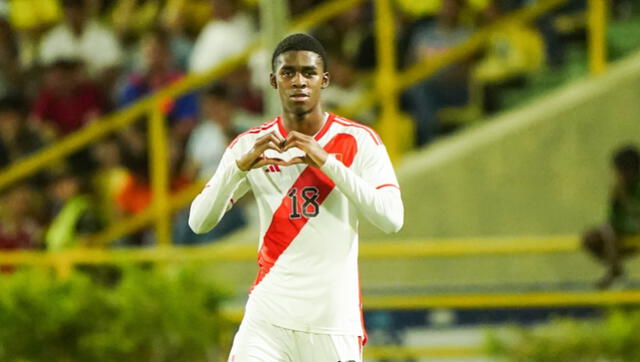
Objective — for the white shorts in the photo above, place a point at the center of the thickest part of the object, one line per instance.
(259, 341)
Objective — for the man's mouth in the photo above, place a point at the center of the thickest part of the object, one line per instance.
(299, 97)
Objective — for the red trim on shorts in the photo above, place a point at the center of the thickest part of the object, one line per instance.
(364, 330)
(387, 185)
(283, 230)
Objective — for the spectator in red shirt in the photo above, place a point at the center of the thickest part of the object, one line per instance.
(159, 72)
(67, 101)
(19, 227)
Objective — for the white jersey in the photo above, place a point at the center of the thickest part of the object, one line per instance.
(308, 278)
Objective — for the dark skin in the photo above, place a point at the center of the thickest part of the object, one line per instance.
(299, 77)
(604, 242)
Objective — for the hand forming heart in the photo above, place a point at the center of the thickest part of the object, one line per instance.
(314, 154)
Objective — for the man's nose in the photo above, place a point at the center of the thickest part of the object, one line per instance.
(299, 81)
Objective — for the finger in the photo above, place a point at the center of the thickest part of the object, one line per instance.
(293, 135)
(260, 161)
(264, 138)
(275, 161)
(272, 146)
(276, 139)
(263, 161)
(269, 137)
(295, 161)
(295, 143)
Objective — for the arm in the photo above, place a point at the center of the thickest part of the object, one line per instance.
(375, 192)
(380, 203)
(229, 182)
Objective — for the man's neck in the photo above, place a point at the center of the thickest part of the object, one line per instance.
(308, 123)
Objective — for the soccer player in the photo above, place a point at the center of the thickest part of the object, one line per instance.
(313, 174)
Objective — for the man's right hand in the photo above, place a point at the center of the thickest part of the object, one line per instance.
(255, 157)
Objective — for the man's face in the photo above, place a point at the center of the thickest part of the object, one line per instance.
(156, 54)
(299, 78)
(76, 16)
(626, 178)
(9, 124)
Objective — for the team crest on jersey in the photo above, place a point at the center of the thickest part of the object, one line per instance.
(272, 168)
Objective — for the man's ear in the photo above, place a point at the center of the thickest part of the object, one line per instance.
(272, 80)
(325, 80)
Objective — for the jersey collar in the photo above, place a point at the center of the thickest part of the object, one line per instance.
(328, 119)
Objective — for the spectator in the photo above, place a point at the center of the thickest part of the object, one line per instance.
(74, 213)
(227, 34)
(159, 72)
(206, 145)
(30, 19)
(346, 88)
(345, 33)
(11, 77)
(513, 52)
(19, 227)
(109, 177)
(448, 86)
(607, 242)
(28, 15)
(209, 139)
(131, 19)
(66, 101)
(79, 37)
(186, 17)
(17, 140)
(244, 93)
(136, 194)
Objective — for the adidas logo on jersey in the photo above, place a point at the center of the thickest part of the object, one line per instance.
(272, 168)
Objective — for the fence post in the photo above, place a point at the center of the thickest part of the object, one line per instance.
(159, 168)
(386, 79)
(597, 28)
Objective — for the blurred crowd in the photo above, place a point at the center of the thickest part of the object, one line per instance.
(66, 63)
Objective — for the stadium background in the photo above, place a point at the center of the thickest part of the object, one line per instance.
(495, 201)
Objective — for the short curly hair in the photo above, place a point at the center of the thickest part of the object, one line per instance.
(299, 41)
(627, 158)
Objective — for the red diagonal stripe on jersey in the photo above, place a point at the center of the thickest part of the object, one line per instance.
(283, 230)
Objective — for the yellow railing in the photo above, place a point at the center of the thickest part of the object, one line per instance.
(404, 249)
(412, 249)
(389, 84)
(407, 249)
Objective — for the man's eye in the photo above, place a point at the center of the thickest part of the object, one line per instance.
(310, 74)
(287, 73)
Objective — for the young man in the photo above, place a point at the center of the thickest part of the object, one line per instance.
(314, 175)
(607, 242)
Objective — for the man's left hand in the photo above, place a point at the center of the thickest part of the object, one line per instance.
(315, 156)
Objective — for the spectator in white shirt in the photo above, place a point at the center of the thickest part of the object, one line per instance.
(80, 37)
(227, 34)
(221, 122)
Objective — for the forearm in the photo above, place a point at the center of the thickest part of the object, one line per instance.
(381, 206)
(211, 204)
